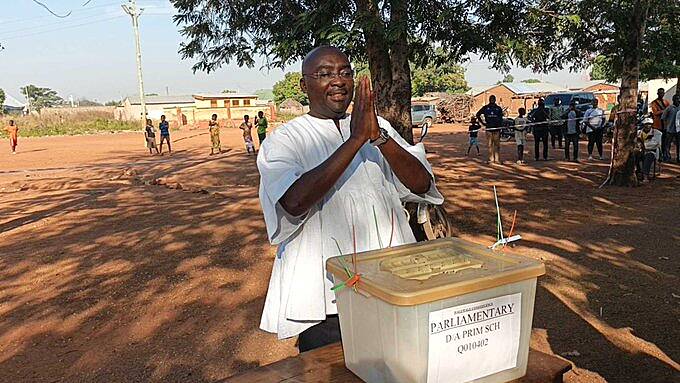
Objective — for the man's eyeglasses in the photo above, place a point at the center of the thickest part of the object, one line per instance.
(345, 74)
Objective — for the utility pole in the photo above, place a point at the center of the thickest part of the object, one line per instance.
(131, 9)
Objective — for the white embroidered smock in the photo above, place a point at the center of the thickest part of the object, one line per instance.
(299, 294)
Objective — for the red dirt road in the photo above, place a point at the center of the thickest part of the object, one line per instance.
(117, 266)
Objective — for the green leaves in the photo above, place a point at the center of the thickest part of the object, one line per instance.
(449, 78)
(289, 87)
(41, 97)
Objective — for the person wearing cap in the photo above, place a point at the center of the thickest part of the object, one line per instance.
(649, 141)
(331, 184)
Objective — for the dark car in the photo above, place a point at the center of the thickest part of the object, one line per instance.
(583, 100)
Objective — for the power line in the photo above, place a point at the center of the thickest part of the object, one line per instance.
(60, 29)
(52, 12)
(69, 21)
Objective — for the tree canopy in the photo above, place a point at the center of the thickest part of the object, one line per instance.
(531, 81)
(40, 98)
(388, 35)
(449, 78)
(2, 100)
(289, 87)
(507, 78)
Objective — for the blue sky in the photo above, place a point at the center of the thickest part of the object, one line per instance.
(91, 54)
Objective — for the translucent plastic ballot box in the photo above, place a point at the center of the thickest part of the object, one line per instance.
(443, 311)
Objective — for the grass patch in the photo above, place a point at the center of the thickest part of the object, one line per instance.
(42, 127)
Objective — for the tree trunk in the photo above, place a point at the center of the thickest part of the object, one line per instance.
(388, 62)
(622, 168)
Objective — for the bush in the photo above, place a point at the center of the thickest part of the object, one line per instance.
(70, 125)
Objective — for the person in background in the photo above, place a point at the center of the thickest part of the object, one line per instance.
(540, 116)
(246, 127)
(668, 118)
(594, 122)
(261, 122)
(13, 132)
(556, 123)
(150, 135)
(572, 133)
(473, 130)
(164, 127)
(658, 106)
(520, 134)
(214, 127)
(649, 141)
(491, 116)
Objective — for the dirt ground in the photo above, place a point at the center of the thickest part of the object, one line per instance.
(117, 266)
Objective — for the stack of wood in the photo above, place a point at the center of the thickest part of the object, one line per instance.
(455, 107)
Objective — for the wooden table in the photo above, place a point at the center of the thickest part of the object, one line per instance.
(327, 365)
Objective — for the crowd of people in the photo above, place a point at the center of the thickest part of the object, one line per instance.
(214, 129)
(553, 126)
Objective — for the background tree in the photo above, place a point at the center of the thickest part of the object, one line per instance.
(574, 32)
(2, 101)
(229, 91)
(41, 97)
(601, 69)
(386, 34)
(449, 78)
(289, 87)
(264, 94)
(113, 103)
(531, 81)
(507, 78)
(86, 102)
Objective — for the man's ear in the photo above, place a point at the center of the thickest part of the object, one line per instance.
(303, 85)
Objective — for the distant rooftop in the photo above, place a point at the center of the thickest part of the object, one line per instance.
(12, 102)
(522, 88)
(134, 100)
(204, 96)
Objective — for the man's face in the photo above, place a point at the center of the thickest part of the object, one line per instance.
(647, 128)
(492, 100)
(660, 93)
(245, 118)
(595, 103)
(329, 96)
(162, 118)
(260, 114)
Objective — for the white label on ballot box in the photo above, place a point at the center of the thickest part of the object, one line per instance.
(472, 341)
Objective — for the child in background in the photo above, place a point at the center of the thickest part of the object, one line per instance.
(246, 126)
(13, 132)
(150, 136)
(474, 130)
(520, 135)
(164, 127)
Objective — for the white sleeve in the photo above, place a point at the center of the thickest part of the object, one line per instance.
(279, 167)
(418, 151)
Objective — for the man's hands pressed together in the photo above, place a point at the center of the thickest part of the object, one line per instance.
(364, 125)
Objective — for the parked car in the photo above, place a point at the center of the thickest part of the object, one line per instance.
(423, 113)
(583, 100)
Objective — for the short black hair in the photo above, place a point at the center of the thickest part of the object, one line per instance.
(245, 116)
(214, 115)
(162, 116)
(521, 111)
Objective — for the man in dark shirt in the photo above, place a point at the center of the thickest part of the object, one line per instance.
(493, 122)
(539, 117)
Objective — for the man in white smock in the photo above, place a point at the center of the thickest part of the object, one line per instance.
(329, 181)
